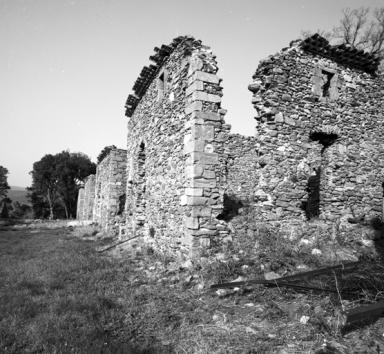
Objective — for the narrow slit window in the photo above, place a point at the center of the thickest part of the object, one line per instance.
(327, 79)
(311, 206)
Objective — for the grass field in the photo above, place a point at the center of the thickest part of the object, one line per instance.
(58, 295)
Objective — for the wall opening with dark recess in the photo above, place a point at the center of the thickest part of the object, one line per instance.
(325, 139)
(327, 78)
(122, 199)
(231, 206)
(311, 206)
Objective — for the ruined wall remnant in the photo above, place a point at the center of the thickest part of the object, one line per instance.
(319, 132)
(174, 140)
(187, 184)
(80, 205)
(86, 199)
(110, 182)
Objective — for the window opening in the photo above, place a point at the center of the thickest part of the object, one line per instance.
(325, 139)
(312, 205)
(122, 199)
(327, 78)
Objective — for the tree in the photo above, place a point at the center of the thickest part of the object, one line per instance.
(3, 182)
(5, 208)
(359, 28)
(105, 152)
(55, 183)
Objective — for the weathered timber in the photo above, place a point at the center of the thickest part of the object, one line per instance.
(364, 313)
(347, 267)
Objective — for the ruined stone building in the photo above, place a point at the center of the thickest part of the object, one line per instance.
(187, 183)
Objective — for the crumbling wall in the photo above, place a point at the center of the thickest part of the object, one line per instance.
(89, 197)
(80, 205)
(319, 141)
(173, 165)
(110, 184)
(86, 199)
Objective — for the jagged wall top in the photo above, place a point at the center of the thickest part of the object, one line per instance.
(341, 54)
(148, 73)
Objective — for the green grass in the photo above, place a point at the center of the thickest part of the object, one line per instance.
(59, 295)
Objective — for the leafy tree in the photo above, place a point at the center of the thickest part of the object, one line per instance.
(105, 152)
(55, 183)
(3, 182)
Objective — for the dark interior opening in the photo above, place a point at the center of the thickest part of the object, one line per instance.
(231, 207)
(121, 204)
(327, 84)
(325, 139)
(312, 205)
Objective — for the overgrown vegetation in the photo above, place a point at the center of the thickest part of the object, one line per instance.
(58, 295)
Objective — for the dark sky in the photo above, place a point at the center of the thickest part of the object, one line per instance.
(67, 66)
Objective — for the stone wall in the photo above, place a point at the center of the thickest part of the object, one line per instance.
(110, 184)
(80, 205)
(318, 152)
(173, 148)
(86, 199)
(89, 197)
(191, 185)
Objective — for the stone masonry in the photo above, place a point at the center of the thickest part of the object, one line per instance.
(86, 199)
(110, 182)
(189, 183)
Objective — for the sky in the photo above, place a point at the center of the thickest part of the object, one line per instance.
(67, 66)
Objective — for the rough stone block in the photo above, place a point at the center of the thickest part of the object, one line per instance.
(209, 174)
(195, 86)
(197, 200)
(193, 171)
(204, 96)
(206, 77)
(193, 145)
(211, 116)
(204, 131)
(194, 106)
(202, 183)
(201, 212)
(192, 223)
(198, 192)
(183, 200)
(205, 158)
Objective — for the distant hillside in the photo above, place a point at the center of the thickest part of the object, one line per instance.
(18, 194)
